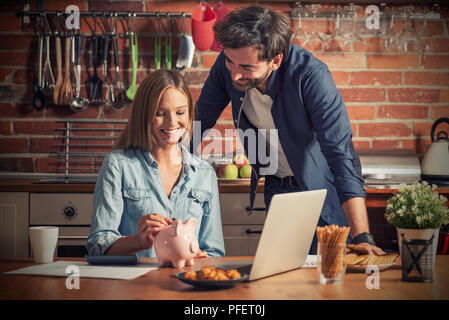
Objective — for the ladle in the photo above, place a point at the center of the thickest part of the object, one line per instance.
(78, 104)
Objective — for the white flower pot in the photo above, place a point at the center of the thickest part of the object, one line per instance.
(421, 234)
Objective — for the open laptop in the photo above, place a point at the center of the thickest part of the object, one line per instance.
(287, 234)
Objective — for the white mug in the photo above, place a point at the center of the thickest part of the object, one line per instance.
(43, 243)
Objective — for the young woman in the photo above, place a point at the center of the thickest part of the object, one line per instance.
(150, 178)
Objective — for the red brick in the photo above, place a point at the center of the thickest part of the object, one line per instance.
(392, 61)
(375, 78)
(37, 127)
(340, 77)
(444, 95)
(436, 61)
(24, 76)
(384, 129)
(360, 143)
(341, 61)
(209, 60)
(361, 112)
(354, 129)
(5, 128)
(61, 5)
(386, 144)
(6, 75)
(413, 95)
(44, 145)
(426, 78)
(98, 5)
(440, 111)
(373, 45)
(47, 165)
(14, 145)
(56, 111)
(195, 93)
(125, 113)
(196, 77)
(440, 45)
(226, 114)
(10, 23)
(333, 45)
(14, 58)
(363, 94)
(403, 111)
(17, 164)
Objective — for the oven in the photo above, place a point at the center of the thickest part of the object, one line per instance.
(71, 212)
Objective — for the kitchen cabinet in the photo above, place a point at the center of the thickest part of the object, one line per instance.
(14, 208)
(241, 231)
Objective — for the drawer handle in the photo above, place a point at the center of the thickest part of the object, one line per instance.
(72, 237)
(248, 209)
(249, 231)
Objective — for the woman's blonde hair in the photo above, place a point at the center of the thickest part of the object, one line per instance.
(138, 133)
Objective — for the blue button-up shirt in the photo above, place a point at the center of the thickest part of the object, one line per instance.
(312, 122)
(129, 186)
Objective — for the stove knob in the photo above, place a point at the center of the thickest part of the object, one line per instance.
(69, 212)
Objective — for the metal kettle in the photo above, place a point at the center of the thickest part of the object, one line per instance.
(435, 165)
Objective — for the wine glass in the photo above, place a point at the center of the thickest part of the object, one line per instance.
(407, 39)
(315, 34)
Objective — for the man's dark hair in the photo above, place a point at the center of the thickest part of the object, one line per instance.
(255, 26)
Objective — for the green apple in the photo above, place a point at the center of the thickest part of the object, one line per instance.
(228, 171)
(240, 160)
(245, 171)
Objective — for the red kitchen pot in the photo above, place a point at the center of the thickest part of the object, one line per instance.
(203, 20)
(221, 11)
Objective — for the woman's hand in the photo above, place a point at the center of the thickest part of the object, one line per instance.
(201, 254)
(148, 226)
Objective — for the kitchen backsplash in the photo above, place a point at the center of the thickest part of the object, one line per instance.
(392, 96)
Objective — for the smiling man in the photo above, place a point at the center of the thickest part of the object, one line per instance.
(275, 85)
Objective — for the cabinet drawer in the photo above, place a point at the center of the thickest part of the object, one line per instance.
(61, 208)
(233, 211)
(238, 242)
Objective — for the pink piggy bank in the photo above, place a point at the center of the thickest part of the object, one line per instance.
(177, 243)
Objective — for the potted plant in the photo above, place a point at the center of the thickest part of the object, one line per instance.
(418, 212)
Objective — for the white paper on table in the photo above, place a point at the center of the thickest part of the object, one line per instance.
(310, 261)
(59, 268)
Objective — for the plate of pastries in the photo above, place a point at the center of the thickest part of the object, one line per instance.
(212, 277)
(357, 261)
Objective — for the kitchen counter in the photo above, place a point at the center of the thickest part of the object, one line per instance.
(376, 198)
(161, 284)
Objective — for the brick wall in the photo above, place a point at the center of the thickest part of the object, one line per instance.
(392, 97)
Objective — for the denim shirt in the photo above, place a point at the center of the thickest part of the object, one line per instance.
(129, 186)
(312, 122)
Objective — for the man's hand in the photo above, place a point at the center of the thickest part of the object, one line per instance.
(364, 247)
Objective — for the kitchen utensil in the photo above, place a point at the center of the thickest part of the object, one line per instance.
(157, 52)
(117, 94)
(435, 164)
(203, 20)
(66, 84)
(59, 79)
(78, 104)
(221, 11)
(94, 84)
(131, 92)
(186, 49)
(48, 77)
(168, 42)
(39, 98)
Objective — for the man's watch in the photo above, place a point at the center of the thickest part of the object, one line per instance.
(364, 237)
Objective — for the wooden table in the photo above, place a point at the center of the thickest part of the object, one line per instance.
(161, 284)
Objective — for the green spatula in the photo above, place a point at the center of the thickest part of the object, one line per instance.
(131, 92)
